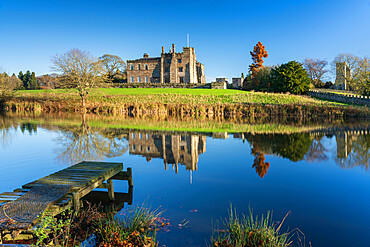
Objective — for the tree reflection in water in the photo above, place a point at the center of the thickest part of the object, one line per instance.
(317, 151)
(259, 162)
(78, 143)
(5, 132)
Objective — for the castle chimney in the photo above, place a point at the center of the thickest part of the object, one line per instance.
(162, 49)
(146, 55)
(173, 48)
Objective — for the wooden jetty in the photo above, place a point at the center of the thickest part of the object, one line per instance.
(56, 193)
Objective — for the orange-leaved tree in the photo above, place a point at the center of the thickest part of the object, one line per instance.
(257, 54)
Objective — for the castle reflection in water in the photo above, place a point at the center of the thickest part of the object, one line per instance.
(174, 149)
(181, 148)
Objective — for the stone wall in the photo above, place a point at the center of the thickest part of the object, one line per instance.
(343, 98)
(159, 85)
(145, 68)
(218, 85)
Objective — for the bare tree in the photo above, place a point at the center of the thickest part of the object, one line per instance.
(316, 70)
(82, 70)
(113, 65)
(48, 81)
(7, 86)
(352, 62)
(362, 79)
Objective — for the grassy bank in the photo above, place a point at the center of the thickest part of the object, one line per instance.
(138, 227)
(182, 102)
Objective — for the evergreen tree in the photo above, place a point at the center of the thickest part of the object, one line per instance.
(290, 77)
(32, 84)
(26, 79)
(20, 76)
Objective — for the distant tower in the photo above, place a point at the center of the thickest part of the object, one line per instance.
(343, 75)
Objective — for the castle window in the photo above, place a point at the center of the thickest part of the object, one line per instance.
(146, 67)
(139, 79)
(133, 135)
(167, 69)
(147, 136)
(132, 79)
(148, 149)
(181, 79)
(180, 69)
(146, 79)
(182, 138)
(179, 60)
(132, 67)
(133, 147)
(168, 61)
(182, 148)
(166, 80)
(138, 66)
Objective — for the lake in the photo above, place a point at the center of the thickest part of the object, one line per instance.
(318, 172)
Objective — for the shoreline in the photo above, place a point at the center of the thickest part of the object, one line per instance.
(193, 103)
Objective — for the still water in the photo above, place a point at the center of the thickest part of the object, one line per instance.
(320, 175)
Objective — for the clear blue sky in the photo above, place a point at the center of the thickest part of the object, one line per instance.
(222, 32)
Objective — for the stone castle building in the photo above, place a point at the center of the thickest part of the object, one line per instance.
(172, 67)
(343, 75)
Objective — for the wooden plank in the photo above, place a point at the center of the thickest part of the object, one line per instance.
(77, 175)
(21, 190)
(9, 198)
(61, 179)
(77, 171)
(11, 194)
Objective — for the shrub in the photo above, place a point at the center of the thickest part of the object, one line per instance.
(261, 81)
(250, 232)
(290, 77)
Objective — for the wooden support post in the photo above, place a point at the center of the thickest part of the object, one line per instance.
(130, 193)
(110, 189)
(76, 202)
(129, 173)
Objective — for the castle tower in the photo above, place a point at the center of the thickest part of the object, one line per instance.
(343, 75)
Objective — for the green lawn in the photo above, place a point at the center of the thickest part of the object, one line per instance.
(142, 91)
(183, 91)
(173, 95)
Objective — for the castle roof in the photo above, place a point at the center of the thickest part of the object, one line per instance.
(142, 60)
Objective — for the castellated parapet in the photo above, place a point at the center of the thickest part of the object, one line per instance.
(171, 67)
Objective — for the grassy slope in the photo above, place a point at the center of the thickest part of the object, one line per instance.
(173, 95)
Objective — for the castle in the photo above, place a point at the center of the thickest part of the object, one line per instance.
(343, 75)
(171, 67)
